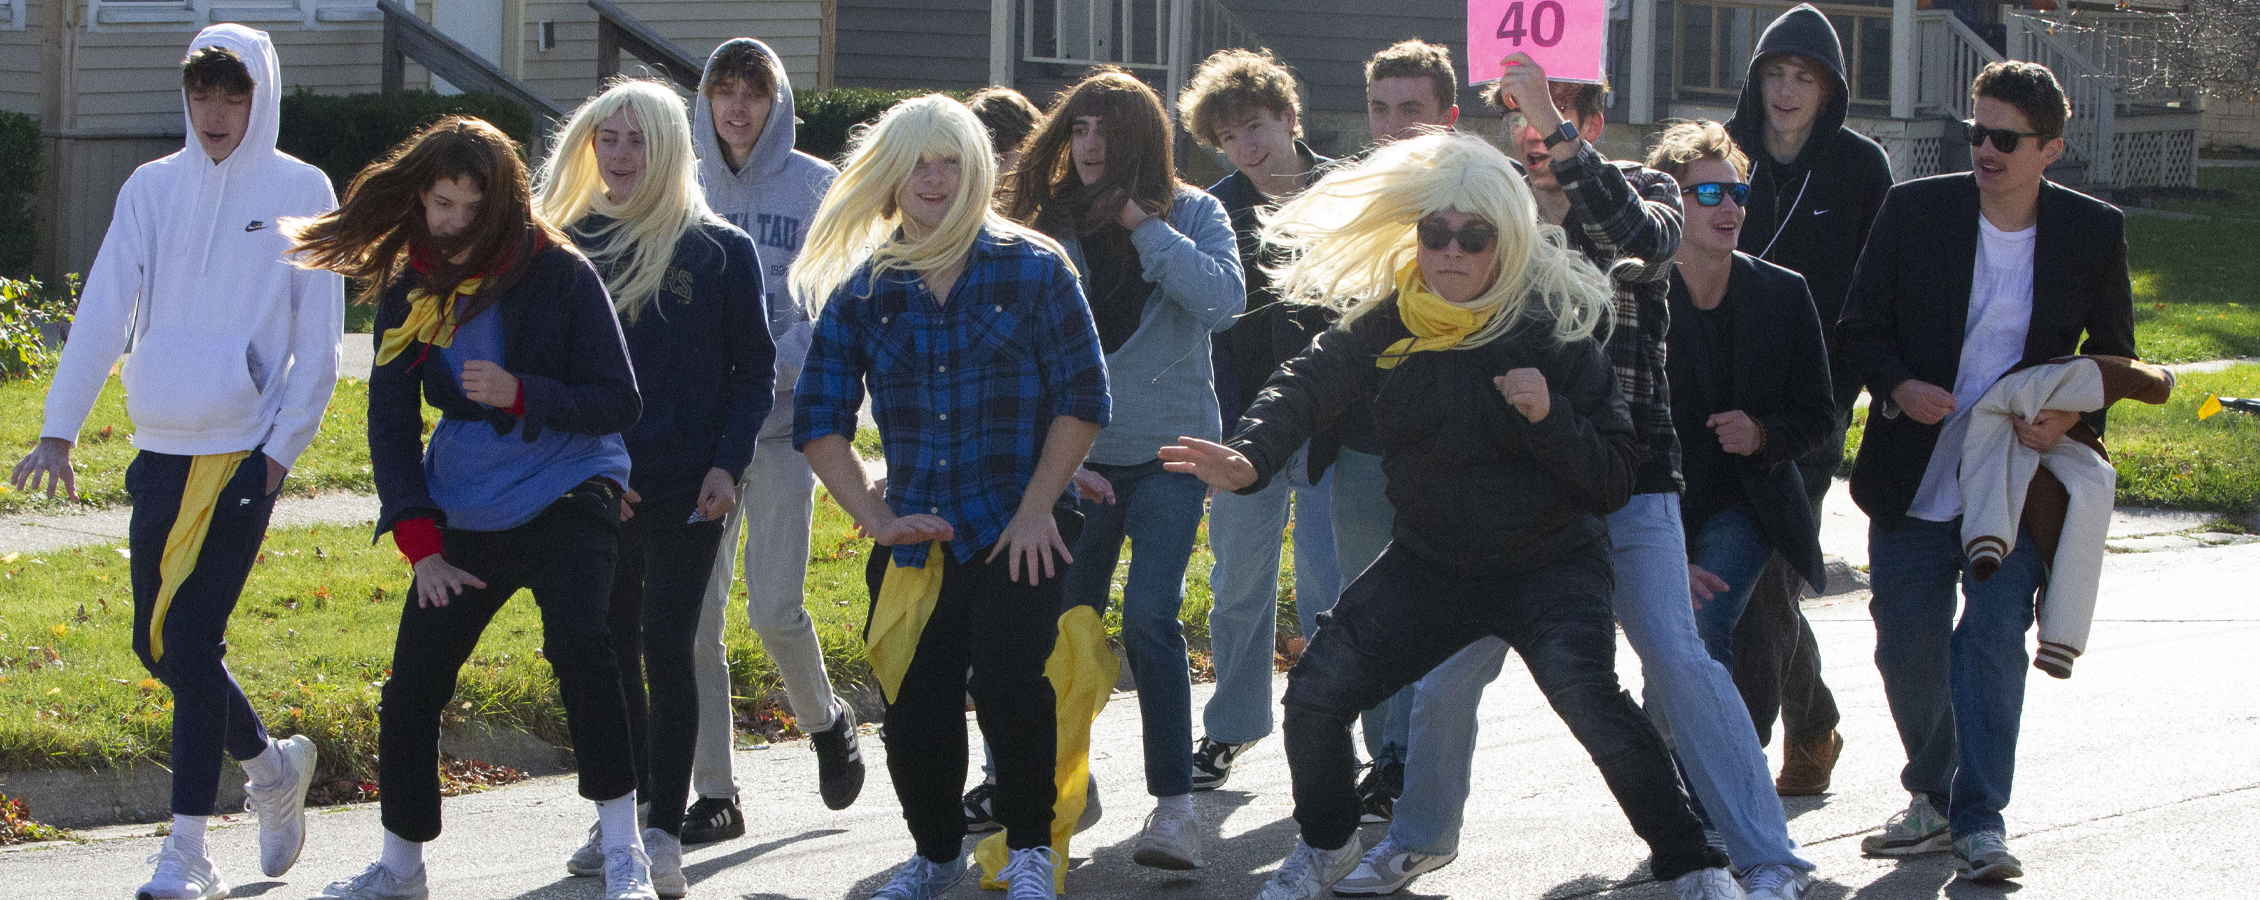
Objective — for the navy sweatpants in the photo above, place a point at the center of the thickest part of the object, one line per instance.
(210, 712)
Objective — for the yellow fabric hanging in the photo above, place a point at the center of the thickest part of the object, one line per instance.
(429, 321)
(1082, 672)
(185, 544)
(906, 600)
(1436, 323)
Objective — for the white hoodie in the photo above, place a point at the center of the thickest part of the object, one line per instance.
(231, 347)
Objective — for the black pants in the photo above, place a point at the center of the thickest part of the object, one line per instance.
(1777, 662)
(658, 591)
(1407, 615)
(210, 711)
(1003, 630)
(566, 557)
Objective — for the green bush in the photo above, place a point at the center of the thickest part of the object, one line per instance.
(24, 307)
(343, 133)
(827, 115)
(19, 180)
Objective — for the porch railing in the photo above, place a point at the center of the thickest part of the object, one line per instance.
(2125, 45)
(1167, 37)
(1952, 57)
(407, 37)
(2088, 136)
(616, 30)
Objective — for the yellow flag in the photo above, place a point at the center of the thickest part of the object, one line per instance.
(2211, 405)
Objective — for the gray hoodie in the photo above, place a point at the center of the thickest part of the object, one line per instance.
(773, 198)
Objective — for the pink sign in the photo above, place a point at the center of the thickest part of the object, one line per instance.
(1570, 38)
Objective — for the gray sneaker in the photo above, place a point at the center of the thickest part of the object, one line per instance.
(1920, 828)
(666, 854)
(1710, 884)
(1985, 856)
(1027, 874)
(1170, 840)
(1388, 868)
(377, 882)
(588, 861)
(627, 875)
(1774, 881)
(1309, 871)
(281, 807)
(922, 879)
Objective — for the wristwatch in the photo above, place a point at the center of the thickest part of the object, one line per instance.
(1563, 133)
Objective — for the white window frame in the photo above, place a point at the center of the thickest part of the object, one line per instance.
(11, 15)
(163, 15)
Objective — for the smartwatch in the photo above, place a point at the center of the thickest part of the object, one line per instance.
(1563, 133)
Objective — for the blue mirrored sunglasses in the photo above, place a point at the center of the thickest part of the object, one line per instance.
(1710, 193)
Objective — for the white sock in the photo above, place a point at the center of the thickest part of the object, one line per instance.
(401, 855)
(1182, 803)
(616, 818)
(266, 769)
(188, 834)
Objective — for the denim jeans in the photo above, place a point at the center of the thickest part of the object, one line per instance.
(1245, 532)
(1729, 546)
(1684, 686)
(1406, 615)
(1159, 512)
(1363, 520)
(1956, 688)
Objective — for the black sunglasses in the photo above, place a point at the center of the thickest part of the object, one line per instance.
(1711, 193)
(1474, 237)
(2004, 140)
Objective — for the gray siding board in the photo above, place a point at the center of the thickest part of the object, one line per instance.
(1328, 41)
(942, 44)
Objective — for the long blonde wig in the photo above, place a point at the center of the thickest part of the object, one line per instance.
(859, 219)
(1348, 235)
(667, 201)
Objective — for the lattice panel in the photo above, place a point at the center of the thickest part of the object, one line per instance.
(1922, 159)
(2154, 158)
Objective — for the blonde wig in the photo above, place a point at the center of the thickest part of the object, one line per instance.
(667, 201)
(1348, 234)
(859, 220)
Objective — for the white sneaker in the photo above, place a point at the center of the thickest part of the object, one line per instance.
(1985, 856)
(282, 808)
(627, 875)
(588, 861)
(1309, 871)
(378, 882)
(1920, 828)
(1774, 881)
(1171, 840)
(666, 852)
(1388, 868)
(924, 879)
(1027, 875)
(1709, 884)
(181, 875)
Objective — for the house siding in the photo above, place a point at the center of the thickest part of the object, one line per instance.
(567, 74)
(874, 47)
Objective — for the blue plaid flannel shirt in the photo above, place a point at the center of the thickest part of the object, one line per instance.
(963, 392)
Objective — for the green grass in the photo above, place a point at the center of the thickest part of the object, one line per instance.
(2192, 298)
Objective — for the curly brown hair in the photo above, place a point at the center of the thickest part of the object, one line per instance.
(1417, 58)
(2031, 88)
(1233, 82)
(1684, 143)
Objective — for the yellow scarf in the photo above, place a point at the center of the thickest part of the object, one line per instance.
(429, 321)
(1082, 672)
(906, 600)
(1436, 323)
(184, 545)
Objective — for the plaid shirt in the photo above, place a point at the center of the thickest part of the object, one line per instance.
(965, 391)
(1628, 211)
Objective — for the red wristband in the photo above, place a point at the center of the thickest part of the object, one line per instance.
(417, 538)
(518, 406)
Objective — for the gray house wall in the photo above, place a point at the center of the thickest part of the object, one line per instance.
(939, 44)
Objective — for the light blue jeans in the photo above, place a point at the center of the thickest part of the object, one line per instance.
(1363, 519)
(1245, 533)
(1730, 546)
(1692, 692)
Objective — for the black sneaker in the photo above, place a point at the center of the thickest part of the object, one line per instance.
(839, 759)
(713, 819)
(1384, 782)
(1212, 763)
(978, 815)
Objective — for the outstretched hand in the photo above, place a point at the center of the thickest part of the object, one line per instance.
(1032, 537)
(917, 528)
(48, 464)
(439, 581)
(1220, 466)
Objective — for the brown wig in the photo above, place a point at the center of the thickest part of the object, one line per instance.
(1052, 199)
(215, 69)
(372, 234)
(739, 62)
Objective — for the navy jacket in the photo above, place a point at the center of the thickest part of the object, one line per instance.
(1271, 332)
(560, 339)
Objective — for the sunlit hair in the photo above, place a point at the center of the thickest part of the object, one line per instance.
(1349, 233)
(1231, 84)
(1053, 198)
(635, 247)
(1686, 143)
(369, 235)
(860, 222)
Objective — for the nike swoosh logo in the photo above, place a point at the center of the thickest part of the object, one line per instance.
(1819, 211)
(254, 226)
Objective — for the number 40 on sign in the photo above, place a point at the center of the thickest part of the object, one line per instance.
(1567, 37)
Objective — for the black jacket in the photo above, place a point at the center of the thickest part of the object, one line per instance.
(1474, 484)
(1270, 332)
(704, 362)
(1911, 298)
(1775, 368)
(560, 339)
(1810, 215)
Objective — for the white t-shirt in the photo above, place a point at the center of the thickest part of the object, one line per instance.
(1993, 341)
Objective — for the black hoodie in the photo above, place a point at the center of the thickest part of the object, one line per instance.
(1829, 194)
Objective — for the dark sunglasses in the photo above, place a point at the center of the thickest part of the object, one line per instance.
(2004, 140)
(1711, 193)
(1474, 237)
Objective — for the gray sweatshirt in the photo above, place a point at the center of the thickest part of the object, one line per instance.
(773, 197)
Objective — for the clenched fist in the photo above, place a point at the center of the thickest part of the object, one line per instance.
(1525, 389)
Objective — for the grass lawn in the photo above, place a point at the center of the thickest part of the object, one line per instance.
(2193, 301)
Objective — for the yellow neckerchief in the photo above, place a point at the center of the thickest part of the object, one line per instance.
(906, 600)
(1436, 323)
(429, 321)
(1082, 672)
(184, 545)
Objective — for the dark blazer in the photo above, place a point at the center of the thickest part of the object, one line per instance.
(1776, 370)
(561, 340)
(1910, 301)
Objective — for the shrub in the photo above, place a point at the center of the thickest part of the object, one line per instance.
(343, 133)
(19, 180)
(827, 115)
(25, 306)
